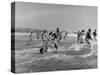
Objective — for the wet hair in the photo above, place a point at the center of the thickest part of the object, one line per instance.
(57, 29)
(83, 30)
(89, 30)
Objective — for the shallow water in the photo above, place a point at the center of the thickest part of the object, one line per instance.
(68, 57)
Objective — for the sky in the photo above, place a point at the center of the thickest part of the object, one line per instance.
(51, 16)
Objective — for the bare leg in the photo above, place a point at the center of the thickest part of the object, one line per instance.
(87, 41)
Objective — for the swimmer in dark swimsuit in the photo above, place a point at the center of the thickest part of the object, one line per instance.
(78, 36)
(65, 35)
(30, 38)
(94, 34)
(37, 35)
(88, 37)
(81, 36)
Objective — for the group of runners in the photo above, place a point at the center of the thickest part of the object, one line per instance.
(88, 36)
(48, 38)
(53, 38)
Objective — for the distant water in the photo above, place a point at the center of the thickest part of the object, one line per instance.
(24, 36)
(27, 34)
(72, 35)
(18, 33)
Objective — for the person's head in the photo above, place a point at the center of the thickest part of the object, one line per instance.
(57, 29)
(89, 30)
(83, 31)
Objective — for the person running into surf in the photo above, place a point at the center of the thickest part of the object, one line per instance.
(42, 34)
(57, 32)
(37, 35)
(48, 43)
(44, 47)
(78, 36)
(45, 42)
(58, 35)
(65, 35)
(81, 36)
(94, 34)
(88, 37)
(30, 38)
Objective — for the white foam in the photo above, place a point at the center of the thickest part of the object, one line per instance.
(76, 47)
